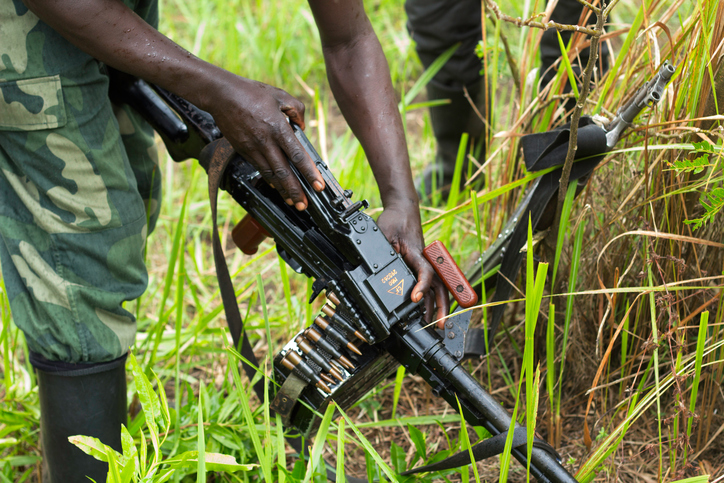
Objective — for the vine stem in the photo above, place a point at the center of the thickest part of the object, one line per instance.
(532, 22)
(601, 14)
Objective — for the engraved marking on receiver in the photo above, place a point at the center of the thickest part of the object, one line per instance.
(390, 278)
(398, 289)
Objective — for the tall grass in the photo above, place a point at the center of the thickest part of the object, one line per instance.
(632, 325)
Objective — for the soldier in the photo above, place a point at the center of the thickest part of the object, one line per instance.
(80, 185)
(437, 25)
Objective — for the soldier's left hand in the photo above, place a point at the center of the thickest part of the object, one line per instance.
(400, 222)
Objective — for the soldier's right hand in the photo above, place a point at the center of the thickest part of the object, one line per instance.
(253, 117)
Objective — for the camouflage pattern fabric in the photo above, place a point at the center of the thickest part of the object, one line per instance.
(79, 191)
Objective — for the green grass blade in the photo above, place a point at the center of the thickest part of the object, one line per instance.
(245, 406)
(700, 342)
(369, 449)
(563, 227)
(316, 464)
(201, 444)
(465, 441)
(614, 72)
(399, 378)
(340, 451)
(427, 76)
(567, 65)
(551, 357)
(572, 284)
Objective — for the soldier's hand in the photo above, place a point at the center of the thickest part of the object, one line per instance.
(253, 117)
(401, 225)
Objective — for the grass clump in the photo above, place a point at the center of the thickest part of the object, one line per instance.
(629, 339)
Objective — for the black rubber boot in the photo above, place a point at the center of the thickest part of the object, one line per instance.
(449, 122)
(78, 399)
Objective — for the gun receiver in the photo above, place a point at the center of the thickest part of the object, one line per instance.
(339, 246)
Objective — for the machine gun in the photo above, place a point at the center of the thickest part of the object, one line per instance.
(373, 326)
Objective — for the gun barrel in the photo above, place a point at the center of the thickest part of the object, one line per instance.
(420, 351)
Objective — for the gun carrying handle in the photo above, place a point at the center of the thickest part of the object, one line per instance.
(450, 273)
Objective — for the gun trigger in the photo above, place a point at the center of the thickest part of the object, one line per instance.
(317, 287)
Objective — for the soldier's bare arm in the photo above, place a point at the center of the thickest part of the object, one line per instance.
(252, 115)
(360, 79)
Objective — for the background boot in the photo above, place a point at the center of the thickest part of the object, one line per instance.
(568, 12)
(79, 399)
(449, 122)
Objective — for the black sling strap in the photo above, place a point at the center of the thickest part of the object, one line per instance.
(483, 450)
(540, 151)
(217, 156)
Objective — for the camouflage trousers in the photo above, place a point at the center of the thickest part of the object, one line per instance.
(79, 191)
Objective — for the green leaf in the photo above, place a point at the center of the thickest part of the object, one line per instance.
(92, 447)
(129, 447)
(164, 476)
(114, 476)
(149, 400)
(397, 456)
(705, 147)
(165, 418)
(128, 470)
(144, 451)
(213, 462)
(418, 439)
(692, 165)
(130, 453)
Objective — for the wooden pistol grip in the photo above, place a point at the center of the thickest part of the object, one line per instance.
(450, 273)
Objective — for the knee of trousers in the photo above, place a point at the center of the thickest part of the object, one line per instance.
(438, 25)
(71, 247)
(67, 295)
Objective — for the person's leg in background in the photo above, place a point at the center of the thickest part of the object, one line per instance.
(567, 12)
(436, 26)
